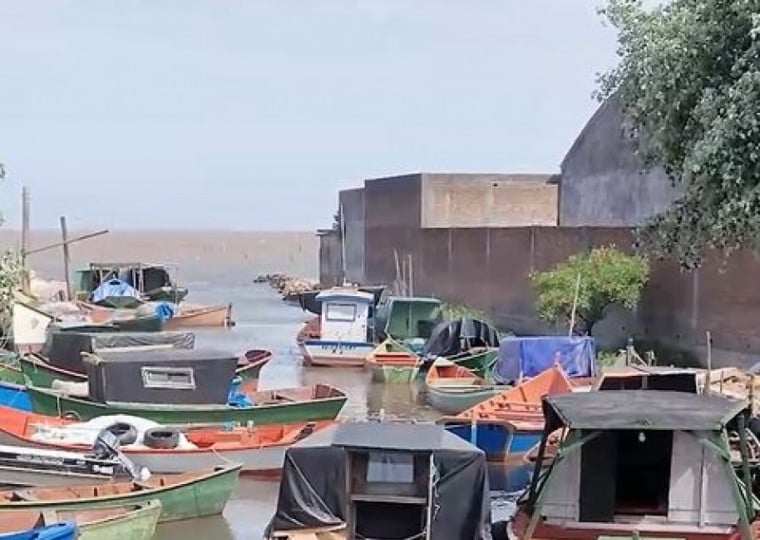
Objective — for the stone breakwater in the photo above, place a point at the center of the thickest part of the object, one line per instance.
(289, 287)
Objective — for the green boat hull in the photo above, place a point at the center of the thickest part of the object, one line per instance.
(139, 524)
(457, 400)
(49, 402)
(11, 373)
(203, 496)
(394, 374)
(479, 362)
(167, 294)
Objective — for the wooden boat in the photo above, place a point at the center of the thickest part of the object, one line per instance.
(38, 372)
(154, 282)
(259, 449)
(616, 439)
(480, 360)
(12, 384)
(344, 339)
(409, 320)
(136, 522)
(452, 388)
(182, 496)
(391, 362)
(202, 316)
(291, 405)
(66, 530)
(511, 422)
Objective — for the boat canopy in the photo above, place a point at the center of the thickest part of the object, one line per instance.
(529, 356)
(114, 288)
(409, 471)
(308, 299)
(345, 295)
(649, 378)
(405, 317)
(64, 349)
(640, 410)
(167, 376)
(460, 335)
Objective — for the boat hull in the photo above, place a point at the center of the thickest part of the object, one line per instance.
(394, 374)
(455, 400)
(336, 353)
(49, 402)
(479, 362)
(219, 316)
(206, 495)
(138, 524)
(14, 395)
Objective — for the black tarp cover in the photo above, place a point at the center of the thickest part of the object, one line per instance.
(119, 376)
(449, 337)
(64, 349)
(312, 490)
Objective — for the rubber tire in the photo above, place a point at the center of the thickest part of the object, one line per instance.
(161, 438)
(126, 433)
(71, 415)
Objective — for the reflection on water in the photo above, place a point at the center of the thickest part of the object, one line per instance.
(264, 320)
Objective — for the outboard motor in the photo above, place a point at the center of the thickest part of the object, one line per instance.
(107, 447)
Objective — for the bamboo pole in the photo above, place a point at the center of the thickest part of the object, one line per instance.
(25, 240)
(411, 276)
(708, 384)
(575, 305)
(69, 241)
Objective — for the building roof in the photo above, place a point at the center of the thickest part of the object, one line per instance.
(640, 410)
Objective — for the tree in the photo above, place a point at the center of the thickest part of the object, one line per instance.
(10, 279)
(607, 277)
(689, 83)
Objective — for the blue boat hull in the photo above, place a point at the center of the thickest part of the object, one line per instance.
(16, 397)
(60, 531)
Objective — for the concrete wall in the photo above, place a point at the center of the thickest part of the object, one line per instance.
(488, 200)
(330, 259)
(602, 182)
(352, 203)
(392, 213)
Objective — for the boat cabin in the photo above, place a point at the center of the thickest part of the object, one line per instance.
(168, 376)
(384, 480)
(345, 315)
(649, 378)
(648, 462)
(154, 281)
(408, 318)
(63, 349)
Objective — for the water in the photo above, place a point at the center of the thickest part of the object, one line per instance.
(264, 320)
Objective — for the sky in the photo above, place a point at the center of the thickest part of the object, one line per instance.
(127, 114)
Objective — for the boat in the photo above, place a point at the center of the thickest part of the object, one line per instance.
(182, 496)
(471, 343)
(289, 405)
(200, 316)
(308, 299)
(249, 366)
(479, 360)
(12, 383)
(135, 522)
(408, 320)
(616, 439)
(509, 423)
(154, 282)
(345, 339)
(357, 475)
(30, 326)
(452, 388)
(28, 466)
(259, 449)
(391, 362)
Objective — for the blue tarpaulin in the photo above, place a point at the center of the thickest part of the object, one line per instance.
(112, 288)
(530, 356)
(164, 311)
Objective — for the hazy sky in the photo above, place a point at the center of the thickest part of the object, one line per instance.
(129, 114)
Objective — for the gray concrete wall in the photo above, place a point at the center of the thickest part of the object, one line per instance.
(352, 203)
(602, 182)
(488, 200)
(330, 259)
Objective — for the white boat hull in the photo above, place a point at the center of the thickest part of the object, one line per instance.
(335, 353)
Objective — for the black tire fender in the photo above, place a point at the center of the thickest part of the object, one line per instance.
(161, 438)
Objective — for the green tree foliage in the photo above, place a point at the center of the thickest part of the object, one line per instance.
(10, 279)
(607, 277)
(689, 83)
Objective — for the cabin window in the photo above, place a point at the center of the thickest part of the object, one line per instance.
(176, 378)
(341, 312)
(389, 467)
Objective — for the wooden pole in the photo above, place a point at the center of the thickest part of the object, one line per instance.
(25, 240)
(575, 305)
(708, 384)
(70, 241)
(411, 276)
(66, 258)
